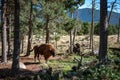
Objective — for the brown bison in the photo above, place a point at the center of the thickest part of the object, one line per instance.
(46, 50)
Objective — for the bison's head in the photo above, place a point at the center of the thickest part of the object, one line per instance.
(52, 52)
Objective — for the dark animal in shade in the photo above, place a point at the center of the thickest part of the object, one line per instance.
(76, 48)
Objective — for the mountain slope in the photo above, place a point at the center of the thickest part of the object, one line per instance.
(85, 15)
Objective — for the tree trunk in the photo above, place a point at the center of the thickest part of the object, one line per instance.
(111, 11)
(16, 53)
(71, 42)
(9, 34)
(4, 24)
(74, 34)
(75, 29)
(103, 32)
(22, 43)
(47, 30)
(56, 43)
(118, 40)
(92, 27)
(30, 32)
(71, 38)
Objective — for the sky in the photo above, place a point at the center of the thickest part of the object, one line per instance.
(88, 4)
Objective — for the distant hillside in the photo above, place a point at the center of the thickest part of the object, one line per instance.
(85, 16)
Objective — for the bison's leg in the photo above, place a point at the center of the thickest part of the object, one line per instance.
(46, 58)
(38, 58)
(35, 57)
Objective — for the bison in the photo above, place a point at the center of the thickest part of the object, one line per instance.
(76, 48)
(46, 50)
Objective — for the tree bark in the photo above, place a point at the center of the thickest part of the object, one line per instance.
(71, 38)
(74, 34)
(103, 32)
(30, 32)
(118, 39)
(9, 34)
(75, 29)
(47, 29)
(111, 11)
(22, 43)
(4, 24)
(92, 27)
(16, 53)
(71, 42)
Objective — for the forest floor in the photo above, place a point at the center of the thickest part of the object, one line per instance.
(31, 67)
(5, 69)
(57, 62)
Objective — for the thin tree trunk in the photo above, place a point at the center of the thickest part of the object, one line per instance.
(30, 32)
(4, 24)
(56, 43)
(75, 30)
(22, 43)
(74, 34)
(1, 26)
(47, 30)
(16, 53)
(71, 38)
(118, 39)
(9, 34)
(92, 27)
(71, 42)
(55, 35)
(111, 11)
(103, 32)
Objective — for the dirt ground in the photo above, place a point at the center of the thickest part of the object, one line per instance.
(31, 67)
(29, 63)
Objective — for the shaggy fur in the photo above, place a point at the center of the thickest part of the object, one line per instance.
(76, 48)
(46, 50)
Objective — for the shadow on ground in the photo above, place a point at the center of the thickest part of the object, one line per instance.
(30, 63)
(5, 74)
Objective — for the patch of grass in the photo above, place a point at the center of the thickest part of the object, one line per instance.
(89, 59)
(63, 65)
(67, 63)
